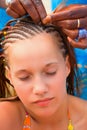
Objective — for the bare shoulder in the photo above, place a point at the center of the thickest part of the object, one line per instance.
(78, 110)
(78, 103)
(9, 114)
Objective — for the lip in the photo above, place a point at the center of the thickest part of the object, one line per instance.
(44, 102)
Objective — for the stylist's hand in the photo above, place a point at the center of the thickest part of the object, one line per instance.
(67, 19)
(81, 43)
(68, 16)
(73, 39)
(35, 8)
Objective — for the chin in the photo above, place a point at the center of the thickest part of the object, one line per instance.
(45, 113)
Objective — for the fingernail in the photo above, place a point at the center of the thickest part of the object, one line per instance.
(47, 20)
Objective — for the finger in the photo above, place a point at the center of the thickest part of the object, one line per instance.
(68, 24)
(78, 44)
(74, 13)
(72, 24)
(17, 7)
(40, 8)
(30, 9)
(12, 13)
(71, 33)
(47, 19)
(83, 22)
(64, 7)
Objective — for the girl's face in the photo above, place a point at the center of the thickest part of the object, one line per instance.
(38, 73)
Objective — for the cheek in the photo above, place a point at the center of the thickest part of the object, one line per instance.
(59, 89)
(22, 89)
(23, 93)
(59, 82)
(19, 87)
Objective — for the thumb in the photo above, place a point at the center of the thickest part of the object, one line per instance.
(71, 33)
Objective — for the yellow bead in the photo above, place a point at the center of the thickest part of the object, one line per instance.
(4, 32)
(70, 126)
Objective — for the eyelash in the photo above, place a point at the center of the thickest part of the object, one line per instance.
(47, 73)
(51, 73)
(24, 78)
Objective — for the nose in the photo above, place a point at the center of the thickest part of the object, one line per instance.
(39, 86)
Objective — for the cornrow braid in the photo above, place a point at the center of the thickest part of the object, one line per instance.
(24, 28)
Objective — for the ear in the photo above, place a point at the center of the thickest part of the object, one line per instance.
(7, 72)
(68, 68)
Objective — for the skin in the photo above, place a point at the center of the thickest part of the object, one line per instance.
(32, 7)
(39, 72)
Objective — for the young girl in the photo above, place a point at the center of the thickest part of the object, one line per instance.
(40, 65)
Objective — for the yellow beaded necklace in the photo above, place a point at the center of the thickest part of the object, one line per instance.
(27, 123)
(70, 126)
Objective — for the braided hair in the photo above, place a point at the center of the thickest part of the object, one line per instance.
(24, 28)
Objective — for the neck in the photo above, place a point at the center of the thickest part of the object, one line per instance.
(59, 119)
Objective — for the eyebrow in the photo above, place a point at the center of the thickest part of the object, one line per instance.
(24, 71)
(52, 63)
(21, 72)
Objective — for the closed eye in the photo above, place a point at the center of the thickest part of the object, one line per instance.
(51, 73)
(24, 78)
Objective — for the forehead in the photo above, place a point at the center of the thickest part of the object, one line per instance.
(42, 45)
